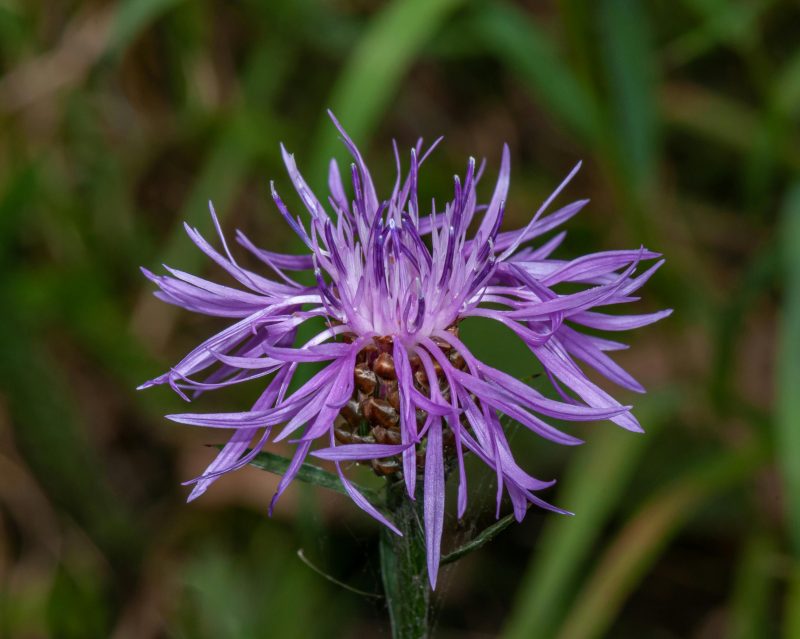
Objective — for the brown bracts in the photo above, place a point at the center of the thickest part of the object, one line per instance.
(372, 416)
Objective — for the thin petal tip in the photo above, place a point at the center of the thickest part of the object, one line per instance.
(156, 381)
(197, 491)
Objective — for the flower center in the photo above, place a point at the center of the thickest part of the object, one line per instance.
(372, 414)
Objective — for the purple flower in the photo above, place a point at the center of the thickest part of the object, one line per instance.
(398, 389)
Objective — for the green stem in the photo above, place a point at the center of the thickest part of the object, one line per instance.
(404, 568)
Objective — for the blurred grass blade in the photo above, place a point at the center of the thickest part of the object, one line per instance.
(791, 620)
(41, 412)
(719, 118)
(310, 474)
(15, 203)
(787, 88)
(788, 401)
(376, 66)
(219, 181)
(577, 23)
(597, 476)
(774, 137)
(481, 539)
(244, 135)
(530, 53)
(639, 543)
(787, 420)
(723, 22)
(750, 616)
(48, 432)
(755, 278)
(630, 63)
(132, 17)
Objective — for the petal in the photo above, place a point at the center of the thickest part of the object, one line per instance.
(557, 361)
(356, 452)
(605, 322)
(434, 499)
(408, 417)
(582, 347)
(291, 472)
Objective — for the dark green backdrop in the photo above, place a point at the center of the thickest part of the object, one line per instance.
(118, 121)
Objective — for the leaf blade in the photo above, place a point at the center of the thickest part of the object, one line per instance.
(531, 54)
(374, 71)
(308, 473)
(648, 532)
(631, 70)
(480, 540)
(591, 489)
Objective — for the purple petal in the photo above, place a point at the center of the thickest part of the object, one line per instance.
(408, 417)
(355, 452)
(434, 499)
(582, 347)
(291, 472)
(498, 199)
(618, 322)
(558, 362)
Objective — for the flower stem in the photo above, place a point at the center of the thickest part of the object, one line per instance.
(404, 568)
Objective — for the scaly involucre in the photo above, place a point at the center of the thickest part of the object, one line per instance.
(393, 283)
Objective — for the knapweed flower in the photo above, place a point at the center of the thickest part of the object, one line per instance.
(398, 388)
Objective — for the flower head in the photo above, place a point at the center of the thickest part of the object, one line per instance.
(399, 389)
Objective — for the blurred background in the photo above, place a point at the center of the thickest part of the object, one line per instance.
(118, 121)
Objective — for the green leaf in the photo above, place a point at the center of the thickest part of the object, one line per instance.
(791, 621)
(592, 488)
(480, 540)
(723, 22)
(787, 415)
(375, 68)
(750, 616)
(54, 442)
(310, 474)
(755, 279)
(719, 118)
(219, 181)
(639, 543)
(787, 88)
(530, 53)
(132, 18)
(631, 68)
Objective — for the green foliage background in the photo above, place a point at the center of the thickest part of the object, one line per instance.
(118, 121)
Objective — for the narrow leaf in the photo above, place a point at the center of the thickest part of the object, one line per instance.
(219, 180)
(791, 608)
(647, 533)
(132, 18)
(375, 69)
(531, 54)
(480, 540)
(631, 68)
(599, 473)
(308, 473)
(750, 616)
(718, 118)
(787, 415)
